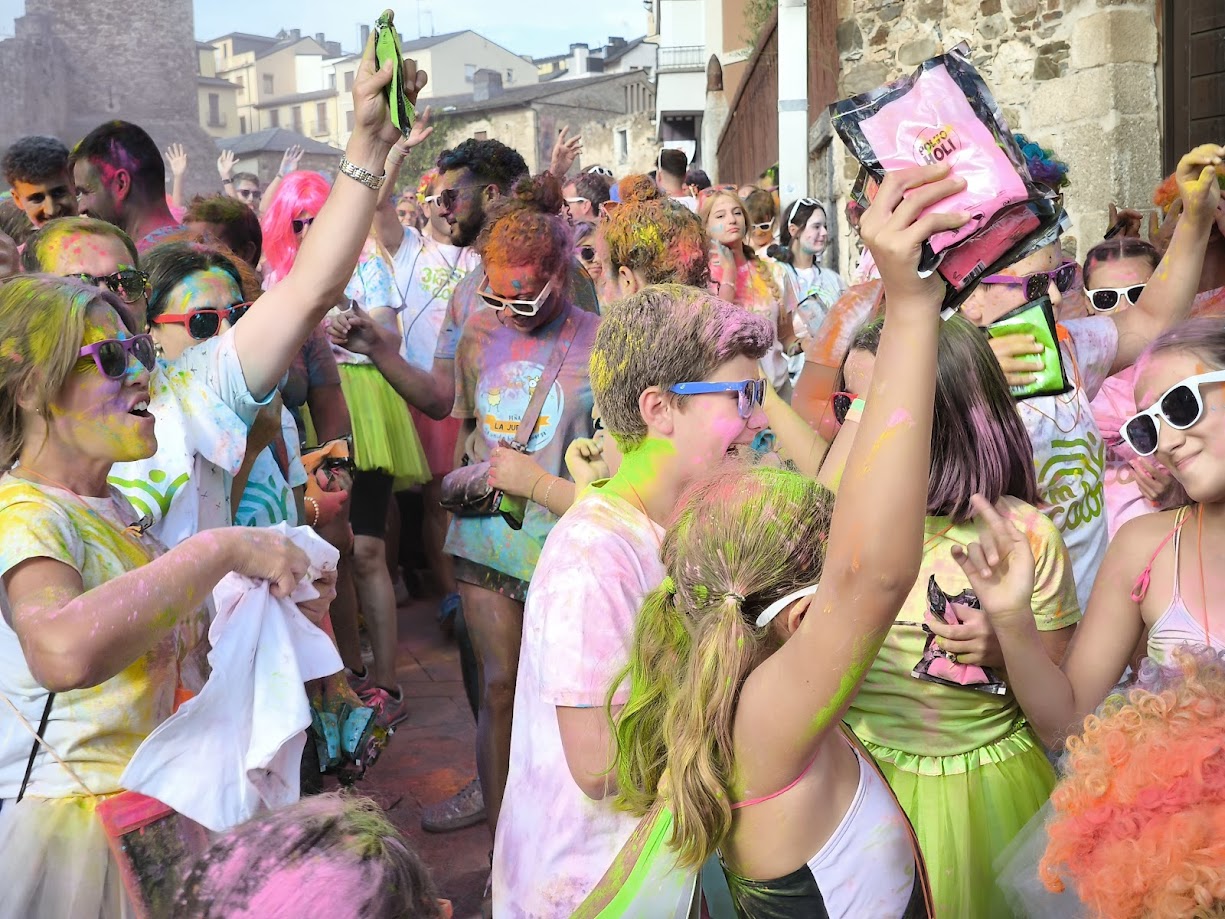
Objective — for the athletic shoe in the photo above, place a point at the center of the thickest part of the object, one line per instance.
(465, 808)
(389, 710)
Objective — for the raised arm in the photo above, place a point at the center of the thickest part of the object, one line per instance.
(280, 321)
(1000, 567)
(1171, 290)
(289, 162)
(797, 440)
(73, 639)
(876, 535)
(387, 228)
(177, 157)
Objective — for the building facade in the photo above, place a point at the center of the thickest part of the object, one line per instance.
(217, 98)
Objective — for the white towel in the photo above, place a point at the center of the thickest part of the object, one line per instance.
(237, 745)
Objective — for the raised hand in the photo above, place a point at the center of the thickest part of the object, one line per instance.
(290, 159)
(372, 118)
(1196, 175)
(420, 130)
(1131, 220)
(999, 564)
(565, 152)
(176, 156)
(894, 228)
(225, 164)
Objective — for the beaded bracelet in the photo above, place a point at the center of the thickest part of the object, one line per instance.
(315, 504)
(547, 491)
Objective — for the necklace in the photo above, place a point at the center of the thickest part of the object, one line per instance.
(1076, 393)
(135, 530)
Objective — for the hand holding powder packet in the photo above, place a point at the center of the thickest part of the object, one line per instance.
(944, 113)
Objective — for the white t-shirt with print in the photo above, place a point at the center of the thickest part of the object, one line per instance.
(268, 498)
(426, 273)
(553, 842)
(202, 412)
(1069, 451)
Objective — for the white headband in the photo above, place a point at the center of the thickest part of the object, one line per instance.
(782, 603)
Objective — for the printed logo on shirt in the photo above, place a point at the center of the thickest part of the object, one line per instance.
(1070, 482)
(502, 399)
(439, 281)
(140, 492)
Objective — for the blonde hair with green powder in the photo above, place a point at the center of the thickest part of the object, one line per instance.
(742, 538)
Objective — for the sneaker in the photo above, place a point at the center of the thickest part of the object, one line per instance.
(465, 808)
(389, 710)
(361, 684)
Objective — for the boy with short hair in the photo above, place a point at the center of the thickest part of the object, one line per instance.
(556, 835)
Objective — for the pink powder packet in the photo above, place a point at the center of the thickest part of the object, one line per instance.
(943, 113)
(937, 665)
(934, 123)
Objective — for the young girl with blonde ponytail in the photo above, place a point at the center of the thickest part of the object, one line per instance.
(772, 611)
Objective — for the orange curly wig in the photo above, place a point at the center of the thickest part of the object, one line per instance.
(1139, 824)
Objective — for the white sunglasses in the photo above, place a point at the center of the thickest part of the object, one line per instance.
(432, 199)
(518, 307)
(1180, 406)
(801, 202)
(768, 614)
(1105, 299)
(763, 226)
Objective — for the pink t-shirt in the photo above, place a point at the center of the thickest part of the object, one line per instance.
(554, 843)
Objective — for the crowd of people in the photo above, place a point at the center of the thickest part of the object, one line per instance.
(773, 595)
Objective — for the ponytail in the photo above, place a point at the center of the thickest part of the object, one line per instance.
(659, 656)
(698, 729)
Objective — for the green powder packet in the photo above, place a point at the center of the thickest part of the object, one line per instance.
(1037, 319)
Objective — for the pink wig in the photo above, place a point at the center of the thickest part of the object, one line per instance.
(1139, 822)
(299, 192)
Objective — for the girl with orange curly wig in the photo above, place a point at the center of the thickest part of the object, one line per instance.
(1139, 827)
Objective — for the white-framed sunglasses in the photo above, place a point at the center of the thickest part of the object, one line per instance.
(579, 200)
(1105, 299)
(518, 307)
(600, 171)
(433, 200)
(764, 226)
(768, 614)
(1181, 406)
(801, 202)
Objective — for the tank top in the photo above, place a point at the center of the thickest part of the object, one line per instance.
(867, 867)
(1177, 626)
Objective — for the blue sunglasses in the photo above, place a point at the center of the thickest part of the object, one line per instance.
(750, 393)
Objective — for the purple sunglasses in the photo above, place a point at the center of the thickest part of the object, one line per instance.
(111, 356)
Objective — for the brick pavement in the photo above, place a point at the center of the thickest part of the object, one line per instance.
(430, 757)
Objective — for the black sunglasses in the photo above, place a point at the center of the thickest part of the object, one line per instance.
(449, 197)
(204, 324)
(129, 283)
(587, 253)
(300, 225)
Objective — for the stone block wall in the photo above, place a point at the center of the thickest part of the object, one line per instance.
(1077, 76)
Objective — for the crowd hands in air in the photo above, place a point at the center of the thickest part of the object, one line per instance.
(749, 567)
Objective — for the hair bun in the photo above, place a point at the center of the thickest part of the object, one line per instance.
(542, 193)
(633, 189)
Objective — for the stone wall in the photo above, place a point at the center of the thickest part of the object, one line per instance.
(1077, 76)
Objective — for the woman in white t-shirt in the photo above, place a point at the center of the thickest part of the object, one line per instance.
(803, 239)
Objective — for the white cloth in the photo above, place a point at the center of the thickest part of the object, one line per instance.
(554, 843)
(238, 744)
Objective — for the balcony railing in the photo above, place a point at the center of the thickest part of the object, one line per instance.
(681, 57)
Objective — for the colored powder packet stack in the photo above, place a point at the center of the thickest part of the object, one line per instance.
(945, 113)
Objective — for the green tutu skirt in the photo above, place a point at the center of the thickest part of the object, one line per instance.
(966, 808)
(384, 438)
